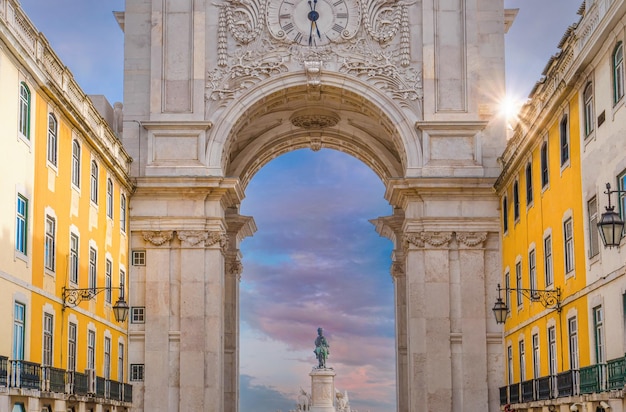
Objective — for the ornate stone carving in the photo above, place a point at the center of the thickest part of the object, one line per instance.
(397, 269)
(158, 237)
(471, 239)
(437, 239)
(404, 85)
(193, 237)
(314, 118)
(414, 239)
(420, 239)
(220, 238)
(379, 54)
(313, 72)
(234, 267)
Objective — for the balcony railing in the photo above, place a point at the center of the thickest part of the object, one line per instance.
(590, 379)
(4, 371)
(617, 370)
(528, 391)
(593, 379)
(29, 375)
(544, 388)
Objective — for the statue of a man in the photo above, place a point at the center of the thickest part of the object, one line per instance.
(321, 349)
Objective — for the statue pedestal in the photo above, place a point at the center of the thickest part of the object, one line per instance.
(322, 390)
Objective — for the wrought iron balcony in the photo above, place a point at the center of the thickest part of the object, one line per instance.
(29, 375)
(593, 379)
(528, 391)
(617, 370)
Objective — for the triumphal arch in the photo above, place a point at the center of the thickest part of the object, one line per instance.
(215, 89)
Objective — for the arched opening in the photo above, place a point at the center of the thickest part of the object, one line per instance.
(314, 261)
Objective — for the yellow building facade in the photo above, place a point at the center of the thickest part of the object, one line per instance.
(554, 283)
(64, 223)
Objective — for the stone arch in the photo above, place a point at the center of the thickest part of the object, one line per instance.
(339, 115)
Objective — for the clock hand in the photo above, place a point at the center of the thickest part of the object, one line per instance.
(318, 31)
(311, 33)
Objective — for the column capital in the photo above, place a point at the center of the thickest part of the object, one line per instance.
(234, 267)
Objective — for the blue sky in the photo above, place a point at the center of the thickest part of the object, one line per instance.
(315, 259)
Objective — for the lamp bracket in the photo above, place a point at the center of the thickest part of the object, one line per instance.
(549, 298)
(73, 296)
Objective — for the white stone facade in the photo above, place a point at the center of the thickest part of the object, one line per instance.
(213, 93)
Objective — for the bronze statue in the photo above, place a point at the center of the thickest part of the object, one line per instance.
(321, 349)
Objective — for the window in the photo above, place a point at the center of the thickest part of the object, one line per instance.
(53, 128)
(536, 364)
(93, 260)
(547, 264)
(24, 126)
(522, 361)
(621, 184)
(73, 258)
(529, 184)
(516, 201)
(21, 225)
(91, 349)
(110, 198)
(592, 209)
(532, 272)
(108, 268)
(107, 358)
(94, 182)
(19, 319)
(120, 362)
(138, 314)
(589, 112)
(545, 177)
(618, 72)
(568, 238)
(509, 357)
(136, 372)
(552, 350)
(139, 257)
(49, 244)
(122, 283)
(75, 163)
(71, 347)
(518, 284)
(564, 138)
(572, 326)
(47, 339)
(598, 326)
(505, 215)
(123, 213)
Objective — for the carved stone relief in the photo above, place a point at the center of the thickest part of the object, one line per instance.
(158, 238)
(379, 54)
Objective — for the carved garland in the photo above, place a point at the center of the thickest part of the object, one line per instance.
(157, 238)
(193, 237)
(220, 238)
(471, 239)
(420, 239)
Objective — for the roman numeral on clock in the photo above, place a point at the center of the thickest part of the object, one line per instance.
(337, 3)
(285, 16)
(338, 28)
(298, 37)
(342, 15)
(287, 27)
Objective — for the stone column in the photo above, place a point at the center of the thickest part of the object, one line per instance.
(239, 227)
(391, 227)
(428, 311)
(322, 390)
(161, 386)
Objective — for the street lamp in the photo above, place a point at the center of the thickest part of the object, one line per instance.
(72, 297)
(549, 299)
(611, 226)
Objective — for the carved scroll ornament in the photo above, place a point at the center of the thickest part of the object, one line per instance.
(421, 239)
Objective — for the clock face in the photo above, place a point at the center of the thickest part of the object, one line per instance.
(313, 22)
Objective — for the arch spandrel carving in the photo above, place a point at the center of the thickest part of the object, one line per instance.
(371, 127)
